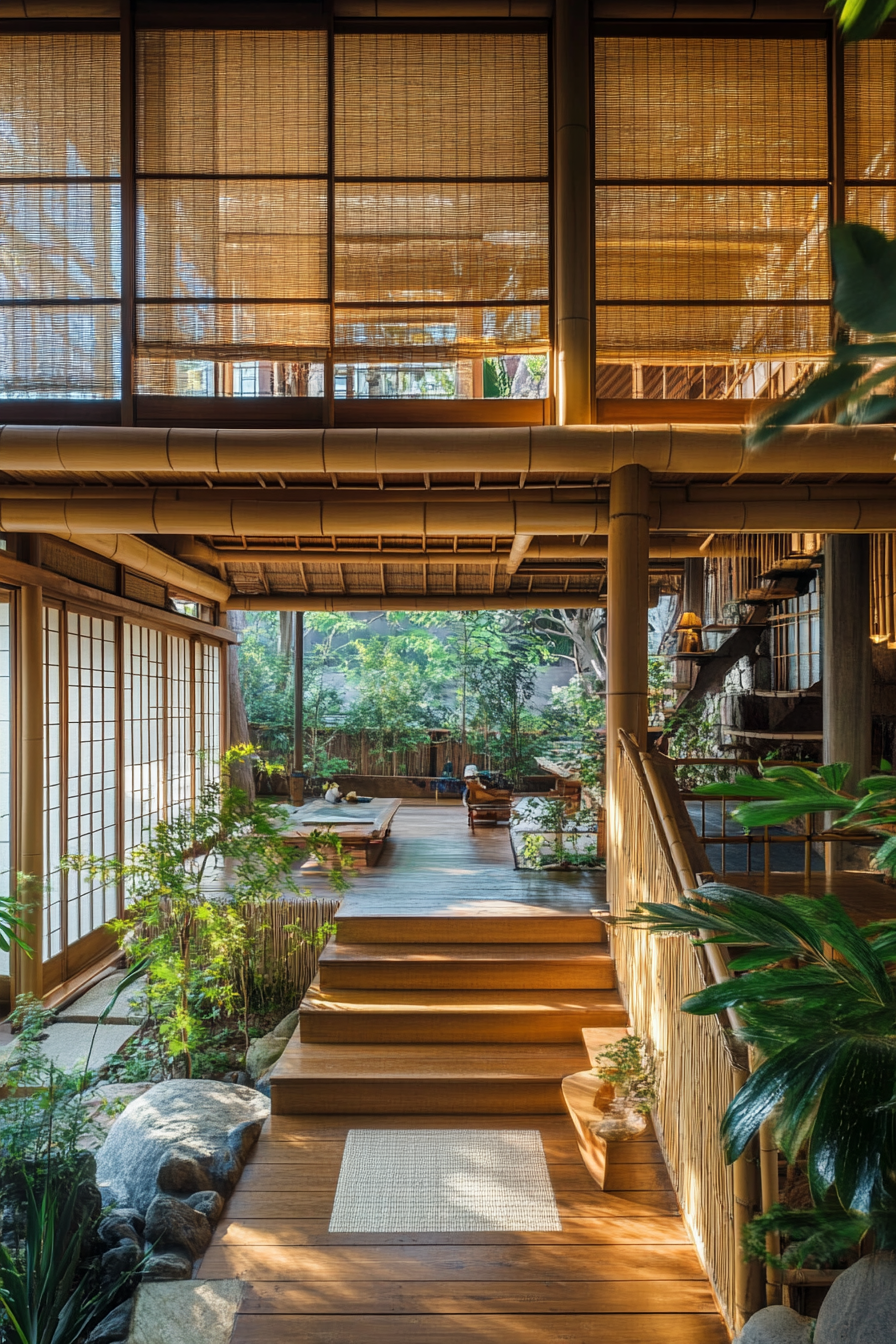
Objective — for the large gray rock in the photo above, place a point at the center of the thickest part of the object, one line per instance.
(264, 1053)
(860, 1306)
(172, 1222)
(180, 1137)
(776, 1325)
(208, 1202)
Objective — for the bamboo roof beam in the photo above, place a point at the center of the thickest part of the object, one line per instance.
(595, 450)
(403, 602)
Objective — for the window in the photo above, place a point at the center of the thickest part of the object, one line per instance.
(143, 728)
(6, 749)
(796, 642)
(207, 713)
(231, 206)
(442, 201)
(54, 843)
(60, 224)
(179, 785)
(870, 133)
(711, 205)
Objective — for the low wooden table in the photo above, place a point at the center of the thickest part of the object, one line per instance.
(363, 828)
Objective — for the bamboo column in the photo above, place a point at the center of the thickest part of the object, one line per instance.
(27, 972)
(297, 781)
(574, 205)
(846, 662)
(628, 568)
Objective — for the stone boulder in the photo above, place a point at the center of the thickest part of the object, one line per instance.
(168, 1263)
(180, 1137)
(860, 1305)
(202, 1311)
(776, 1325)
(115, 1327)
(264, 1053)
(208, 1202)
(172, 1222)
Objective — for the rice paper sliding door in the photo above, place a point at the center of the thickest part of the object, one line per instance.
(7, 868)
(179, 726)
(143, 731)
(92, 775)
(207, 666)
(54, 761)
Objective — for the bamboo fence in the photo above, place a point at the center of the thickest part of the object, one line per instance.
(281, 959)
(698, 1073)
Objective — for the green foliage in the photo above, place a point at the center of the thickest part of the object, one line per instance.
(628, 1068)
(13, 910)
(864, 265)
(817, 1237)
(43, 1122)
(785, 792)
(694, 730)
(860, 19)
(189, 889)
(568, 844)
(397, 680)
(817, 1000)
(48, 1293)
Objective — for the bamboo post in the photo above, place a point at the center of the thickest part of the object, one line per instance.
(574, 206)
(27, 972)
(846, 672)
(297, 781)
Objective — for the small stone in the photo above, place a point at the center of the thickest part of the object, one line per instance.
(114, 1229)
(169, 1263)
(201, 1311)
(174, 1222)
(115, 1327)
(860, 1305)
(208, 1202)
(121, 1260)
(776, 1325)
(132, 1216)
(264, 1053)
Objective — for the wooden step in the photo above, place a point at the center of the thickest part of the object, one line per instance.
(469, 922)
(408, 1017)
(459, 966)
(417, 1080)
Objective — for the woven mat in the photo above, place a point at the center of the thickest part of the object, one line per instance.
(444, 1180)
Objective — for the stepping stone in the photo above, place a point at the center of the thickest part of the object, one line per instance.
(67, 1043)
(89, 1006)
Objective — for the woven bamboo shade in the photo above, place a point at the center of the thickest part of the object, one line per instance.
(869, 76)
(232, 195)
(442, 209)
(60, 236)
(692, 138)
(883, 589)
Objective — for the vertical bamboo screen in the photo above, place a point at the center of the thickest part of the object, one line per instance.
(697, 1077)
(60, 215)
(6, 750)
(883, 589)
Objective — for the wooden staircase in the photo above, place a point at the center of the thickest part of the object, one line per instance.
(449, 1011)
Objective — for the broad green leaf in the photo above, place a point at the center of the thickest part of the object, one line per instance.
(864, 264)
(757, 987)
(835, 775)
(824, 388)
(855, 1124)
(860, 19)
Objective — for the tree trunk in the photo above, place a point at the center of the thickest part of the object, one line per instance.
(241, 774)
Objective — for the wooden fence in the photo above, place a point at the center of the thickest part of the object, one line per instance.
(700, 1067)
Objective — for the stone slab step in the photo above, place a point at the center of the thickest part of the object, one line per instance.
(457, 966)
(419, 1080)
(406, 1016)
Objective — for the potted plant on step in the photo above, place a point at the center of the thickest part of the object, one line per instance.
(627, 1068)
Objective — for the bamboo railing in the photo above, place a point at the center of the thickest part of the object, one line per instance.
(699, 1066)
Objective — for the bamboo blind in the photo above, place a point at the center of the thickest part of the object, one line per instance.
(232, 195)
(442, 207)
(696, 1074)
(60, 243)
(711, 160)
(869, 74)
(883, 589)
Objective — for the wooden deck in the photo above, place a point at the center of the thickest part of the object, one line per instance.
(475, 984)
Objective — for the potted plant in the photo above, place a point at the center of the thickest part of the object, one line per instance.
(628, 1069)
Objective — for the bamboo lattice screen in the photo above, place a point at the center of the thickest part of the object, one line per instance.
(442, 209)
(883, 589)
(711, 199)
(60, 244)
(869, 72)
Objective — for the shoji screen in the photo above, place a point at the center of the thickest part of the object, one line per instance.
(143, 727)
(711, 205)
(60, 243)
(207, 714)
(231, 198)
(54, 842)
(179, 780)
(870, 133)
(6, 748)
(442, 209)
(92, 773)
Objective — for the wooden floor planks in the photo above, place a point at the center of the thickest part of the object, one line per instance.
(621, 1270)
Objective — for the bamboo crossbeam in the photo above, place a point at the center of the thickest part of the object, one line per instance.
(589, 450)
(532, 601)
(145, 559)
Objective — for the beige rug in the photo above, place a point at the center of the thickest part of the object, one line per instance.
(444, 1180)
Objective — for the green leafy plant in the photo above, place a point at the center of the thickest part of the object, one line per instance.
(816, 997)
(785, 792)
(189, 886)
(627, 1067)
(48, 1294)
(861, 19)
